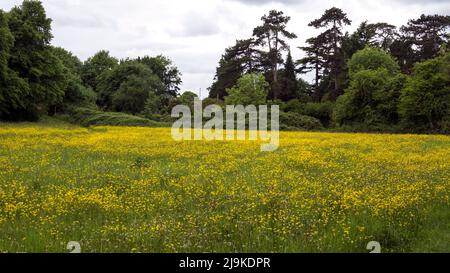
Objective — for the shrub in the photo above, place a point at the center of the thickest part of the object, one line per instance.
(294, 106)
(88, 117)
(319, 110)
(294, 120)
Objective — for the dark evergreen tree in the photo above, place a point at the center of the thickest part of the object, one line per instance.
(331, 39)
(273, 34)
(289, 80)
(427, 33)
(237, 60)
(315, 60)
(380, 35)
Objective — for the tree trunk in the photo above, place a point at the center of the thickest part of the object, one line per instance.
(316, 85)
(335, 62)
(275, 83)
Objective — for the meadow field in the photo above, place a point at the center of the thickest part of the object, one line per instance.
(134, 189)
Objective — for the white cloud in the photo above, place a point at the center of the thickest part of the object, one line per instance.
(195, 33)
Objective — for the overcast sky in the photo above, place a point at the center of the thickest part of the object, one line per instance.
(194, 33)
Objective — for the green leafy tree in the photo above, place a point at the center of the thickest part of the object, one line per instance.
(132, 94)
(32, 58)
(425, 100)
(122, 79)
(402, 50)
(187, 98)
(370, 59)
(6, 42)
(94, 66)
(169, 74)
(153, 105)
(12, 88)
(250, 89)
(372, 96)
(273, 34)
(75, 92)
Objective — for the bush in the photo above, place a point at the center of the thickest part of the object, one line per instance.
(212, 101)
(160, 118)
(319, 110)
(294, 106)
(294, 120)
(88, 117)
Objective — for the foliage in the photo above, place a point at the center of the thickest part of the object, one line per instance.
(372, 97)
(94, 66)
(90, 117)
(75, 92)
(237, 60)
(132, 94)
(153, 105)
(272, 34)
(124, 78)
(321, 110)
(32, 59)
(13, 89)
(377, 35)
(325, 54)
(289, 84)
(250, 89)
(372, 58)
(427, 34)
(425, 100)
(169, 74)
(294, 120)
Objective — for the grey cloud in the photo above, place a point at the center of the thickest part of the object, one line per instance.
(194, 24)
(422, 1)
(300, 2)
(260, 2)
(82, 22)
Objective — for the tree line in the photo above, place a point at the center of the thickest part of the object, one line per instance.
(379, 77)
(40, 79)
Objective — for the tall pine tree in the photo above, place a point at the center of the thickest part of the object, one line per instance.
(237, 60)
(289, 84)
(273, 34)
(331, 39)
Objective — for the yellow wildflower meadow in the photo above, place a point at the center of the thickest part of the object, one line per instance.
(135, 189)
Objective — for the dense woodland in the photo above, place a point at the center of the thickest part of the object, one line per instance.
(378, 78)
